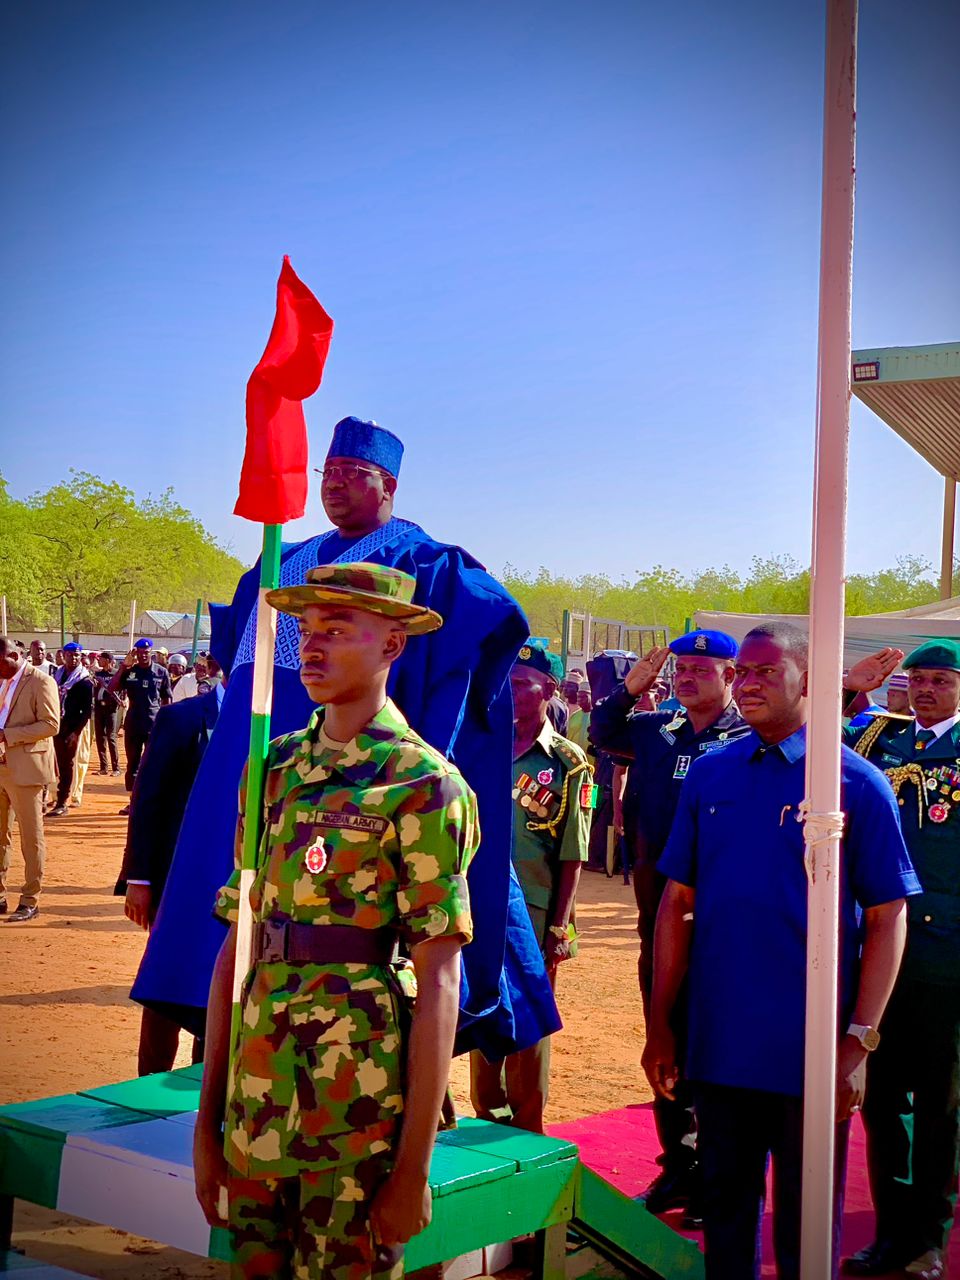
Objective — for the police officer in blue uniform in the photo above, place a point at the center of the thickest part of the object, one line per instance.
(660, 747)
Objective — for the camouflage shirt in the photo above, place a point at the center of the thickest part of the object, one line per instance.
(377, 832)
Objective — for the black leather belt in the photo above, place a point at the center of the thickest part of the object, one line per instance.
(285, 941)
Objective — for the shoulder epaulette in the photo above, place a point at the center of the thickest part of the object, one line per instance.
(568, 750)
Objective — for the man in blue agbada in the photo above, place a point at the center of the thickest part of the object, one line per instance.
(454, 689)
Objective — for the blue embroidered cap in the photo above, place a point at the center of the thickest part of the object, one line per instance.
(72, 647)
(354, 438)
(705, 644)
(144, 643)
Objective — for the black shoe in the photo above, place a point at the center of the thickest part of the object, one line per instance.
(22, 913)
(3, 906)
(692, 1219)
(671, 1189)
(57, 811)
(875, 1259)
(124, 811)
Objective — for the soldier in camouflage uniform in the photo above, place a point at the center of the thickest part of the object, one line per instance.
(368, 835)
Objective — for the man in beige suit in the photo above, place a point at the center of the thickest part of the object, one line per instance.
(29, 718)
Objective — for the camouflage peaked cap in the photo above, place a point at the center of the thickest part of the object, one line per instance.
(375, 588)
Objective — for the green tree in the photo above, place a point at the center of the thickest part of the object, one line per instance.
(90, 541)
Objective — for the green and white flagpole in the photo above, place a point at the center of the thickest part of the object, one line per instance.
(273, 490)
(261, 707)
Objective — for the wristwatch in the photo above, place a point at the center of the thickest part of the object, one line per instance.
(867, 1036)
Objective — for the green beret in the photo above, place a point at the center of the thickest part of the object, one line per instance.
(944, 654)
(535, 654)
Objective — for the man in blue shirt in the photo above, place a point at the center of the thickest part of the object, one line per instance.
(734, 919)
(660, 746)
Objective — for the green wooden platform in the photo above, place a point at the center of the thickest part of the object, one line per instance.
(121, 1155)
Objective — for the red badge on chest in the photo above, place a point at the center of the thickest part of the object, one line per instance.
(939, 812)
(545, 777)
(316, 856)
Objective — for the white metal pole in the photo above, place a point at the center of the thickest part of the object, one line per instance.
(133, 624)
(826, 636)
(3, 615)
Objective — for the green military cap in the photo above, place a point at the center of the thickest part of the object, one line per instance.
(375, 588)
(944, 654)
(535, 654)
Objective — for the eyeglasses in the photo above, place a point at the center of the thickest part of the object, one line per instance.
(348, 472)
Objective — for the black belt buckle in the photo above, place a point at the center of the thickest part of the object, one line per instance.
(273, 942)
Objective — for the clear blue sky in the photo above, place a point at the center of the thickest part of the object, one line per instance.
(571, 251)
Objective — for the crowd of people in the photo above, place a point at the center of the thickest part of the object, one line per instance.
(436, 784)
(68, 703)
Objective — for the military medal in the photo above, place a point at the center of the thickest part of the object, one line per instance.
(938, 812)
(545, 776)
(316, 856)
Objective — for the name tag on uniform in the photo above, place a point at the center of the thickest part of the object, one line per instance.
(682, 768)
(350, 821)
(712, 746)
(665, 733)
(888, 759)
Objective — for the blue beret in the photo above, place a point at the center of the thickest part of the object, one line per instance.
(944, 654)
(705, 644)
(354, 438)
(535, 654)
(145, 643)
(72, 647)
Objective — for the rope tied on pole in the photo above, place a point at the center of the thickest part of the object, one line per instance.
(818, 829)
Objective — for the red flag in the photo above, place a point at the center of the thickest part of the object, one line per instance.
(273, 482)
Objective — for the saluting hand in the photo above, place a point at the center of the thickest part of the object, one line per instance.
(870, 673)
(130, 660)
(643, 674)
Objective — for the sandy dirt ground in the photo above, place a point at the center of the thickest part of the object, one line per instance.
(67, 1023)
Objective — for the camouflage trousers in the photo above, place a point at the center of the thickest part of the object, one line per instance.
(314, 1226)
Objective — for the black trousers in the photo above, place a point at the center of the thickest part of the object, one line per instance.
(739, 1131)
(105, 722)
(66, 761)
(911, 1113)
(134, 740)
(159, 1042)
(675, 1119)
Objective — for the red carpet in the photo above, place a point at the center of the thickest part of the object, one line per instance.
(621, 1146)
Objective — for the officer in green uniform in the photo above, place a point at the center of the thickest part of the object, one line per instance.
(368, 833)
(912, 1105)
(553, 797)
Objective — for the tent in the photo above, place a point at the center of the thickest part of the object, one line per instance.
(903, 628)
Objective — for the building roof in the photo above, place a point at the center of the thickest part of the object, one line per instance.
(166, 621)
(916, 391)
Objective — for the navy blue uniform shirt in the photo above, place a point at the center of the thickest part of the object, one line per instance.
(145, 687)
(660, 746)
(736, 841)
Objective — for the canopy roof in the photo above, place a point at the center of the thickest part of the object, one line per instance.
(903, 629)
(916, 391)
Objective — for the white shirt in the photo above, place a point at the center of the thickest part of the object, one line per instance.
(941, 727)
(7, 690)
